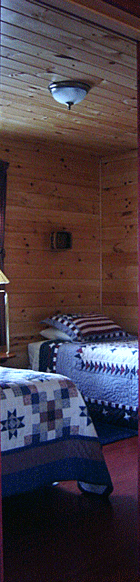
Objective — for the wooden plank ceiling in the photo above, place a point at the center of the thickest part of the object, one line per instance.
(41, 43)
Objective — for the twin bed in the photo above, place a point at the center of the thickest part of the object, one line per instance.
(100, 357)
(47, 433)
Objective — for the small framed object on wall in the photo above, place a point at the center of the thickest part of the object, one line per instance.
(61, 240)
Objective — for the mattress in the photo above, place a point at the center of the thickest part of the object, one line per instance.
(33, 353)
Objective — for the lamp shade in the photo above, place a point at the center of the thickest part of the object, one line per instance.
(69, 92)
(3, 278)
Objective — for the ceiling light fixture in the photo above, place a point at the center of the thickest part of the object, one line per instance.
(69, 92)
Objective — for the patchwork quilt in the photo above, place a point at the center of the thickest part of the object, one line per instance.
(106, 373)
(47, 434)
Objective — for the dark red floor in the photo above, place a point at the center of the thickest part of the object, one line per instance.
(61, 535)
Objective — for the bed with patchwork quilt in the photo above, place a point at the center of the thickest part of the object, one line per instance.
(47, 434)
(104, 366)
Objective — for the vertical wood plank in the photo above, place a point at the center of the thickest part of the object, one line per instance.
(138, 117)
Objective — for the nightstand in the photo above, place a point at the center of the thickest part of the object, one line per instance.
(4, 356)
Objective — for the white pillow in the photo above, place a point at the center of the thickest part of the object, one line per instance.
(53, 333)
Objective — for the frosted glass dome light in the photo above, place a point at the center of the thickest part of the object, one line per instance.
(69, 92)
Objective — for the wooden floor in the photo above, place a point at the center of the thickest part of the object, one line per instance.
(61, 535)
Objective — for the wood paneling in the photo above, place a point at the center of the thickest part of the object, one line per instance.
(49, 188)
(96, 200)
(41, 43)
(73, 170)
(119, 240)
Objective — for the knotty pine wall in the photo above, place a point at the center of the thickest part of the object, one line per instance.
(119, 177)
(51, 187)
